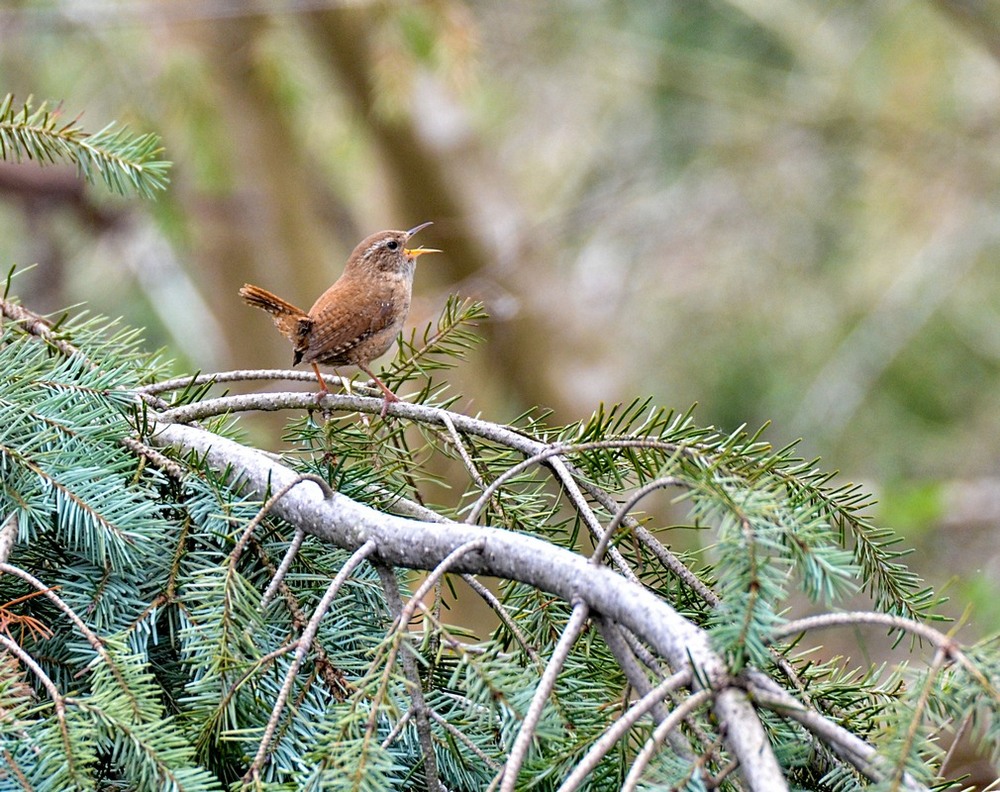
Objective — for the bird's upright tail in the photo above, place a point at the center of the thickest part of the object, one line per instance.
(294, 323)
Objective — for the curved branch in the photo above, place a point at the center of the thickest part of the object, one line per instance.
(58, 700)
(936, 638)
(418, 544)
(92, 638)
(535, 451)
(625, 508)
(854, 618)
(848, 746)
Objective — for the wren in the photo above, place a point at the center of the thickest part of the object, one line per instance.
(358, 317)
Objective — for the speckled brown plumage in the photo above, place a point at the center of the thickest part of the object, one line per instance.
(358, 317)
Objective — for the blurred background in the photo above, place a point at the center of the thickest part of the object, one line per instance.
(783, 210)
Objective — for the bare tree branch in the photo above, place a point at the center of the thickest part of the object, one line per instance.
(518, 751)
(417, 544)
(304, 644)
(8, 536)
(419, 708)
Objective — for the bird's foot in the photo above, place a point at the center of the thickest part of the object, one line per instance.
(389, 397)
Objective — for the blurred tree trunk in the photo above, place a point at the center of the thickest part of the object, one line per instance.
(453, 182)
(979, 18)
(262, 222)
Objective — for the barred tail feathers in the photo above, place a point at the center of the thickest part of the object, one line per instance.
(292, 322)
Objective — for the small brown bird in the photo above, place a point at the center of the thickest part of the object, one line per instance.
(357, 319)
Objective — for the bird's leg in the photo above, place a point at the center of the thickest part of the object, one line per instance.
(389, 395)
(322, 383)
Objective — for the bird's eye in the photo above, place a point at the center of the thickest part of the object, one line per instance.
(392, 244)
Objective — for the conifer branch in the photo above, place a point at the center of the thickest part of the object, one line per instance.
(853, 618)
(864, 757)
(507, 555)
(620, 727)
(283, 567)
(535, 501)
(92, 638)
(444, 345)
(660, 733)
(199, 381)
(38, 326)
(504, 615)
(58, 700)
(302, 648)
(123, 160)
(525, 735)
(418, 707)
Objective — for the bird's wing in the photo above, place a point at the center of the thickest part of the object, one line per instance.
(337, 329)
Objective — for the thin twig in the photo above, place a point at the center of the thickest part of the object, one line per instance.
(617, 730)
(456, 440)
(225, 700)
(715, 782)
(237, 551)
(58, 701)
(622, 644)
(240, 375)
(853, 618)
(304, 644)
(492, 763)
(936, 638)
(412, 674)
(433, 580)
(941, 657)
(491, 599)
(157, 458)
(659, 734)
(583, 509)
(696, 767)
(612, 635)
(434, 575)
(540, 452)
(670, 561)
(40, 327)
(397, 728)
(641, 651)
(626, 507)
(8, 536)
(283, 567)
(519, 750)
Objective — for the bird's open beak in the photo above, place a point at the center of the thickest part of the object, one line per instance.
(414, 230)
(419, 251)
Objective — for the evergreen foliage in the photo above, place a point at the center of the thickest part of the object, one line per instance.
(124, 161)
(148, 661)
(171, 618)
